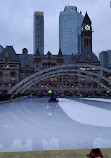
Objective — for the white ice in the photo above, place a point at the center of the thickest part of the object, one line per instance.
(99, 99)
(35, 124)
(86, 114)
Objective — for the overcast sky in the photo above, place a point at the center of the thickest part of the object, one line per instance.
(16, 22)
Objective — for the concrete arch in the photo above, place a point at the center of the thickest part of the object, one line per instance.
(47, 73)
(59, 74)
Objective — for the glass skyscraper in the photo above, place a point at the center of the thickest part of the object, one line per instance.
(70, 21)
(38, 32)
(105, 58)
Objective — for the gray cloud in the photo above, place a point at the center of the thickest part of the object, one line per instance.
(16, 22)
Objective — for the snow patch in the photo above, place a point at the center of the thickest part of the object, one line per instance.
(99, 99)
(86, 114)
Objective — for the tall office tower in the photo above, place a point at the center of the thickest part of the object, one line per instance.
(105, 58)
(38, 32)
(70, 21)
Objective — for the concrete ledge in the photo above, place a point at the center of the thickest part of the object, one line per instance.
(54, 154)
(7, 101)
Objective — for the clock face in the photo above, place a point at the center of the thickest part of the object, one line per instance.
(87, 27)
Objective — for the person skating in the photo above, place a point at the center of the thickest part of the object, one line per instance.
(53, 97)
(95, 153)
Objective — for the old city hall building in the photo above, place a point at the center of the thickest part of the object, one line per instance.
(15, 67)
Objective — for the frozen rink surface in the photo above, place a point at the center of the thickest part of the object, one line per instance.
(34, 124)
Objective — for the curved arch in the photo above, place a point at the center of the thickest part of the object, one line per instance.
(55, 73)
(59, 74)
(57, 69)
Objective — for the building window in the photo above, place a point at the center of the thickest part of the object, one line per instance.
(85, 42)
(6, 67)
(1, 66)
(6, 60)
(6, 84)
(1, 73)
(89, 41)
(95, 85)
(27, 66)
(51, 79)
(13, 74)
(12, 84)
(55, 79)
(89, 85)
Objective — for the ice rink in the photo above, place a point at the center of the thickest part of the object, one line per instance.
(34, 124)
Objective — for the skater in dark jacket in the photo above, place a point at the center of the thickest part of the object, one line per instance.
(53, 97)
(95, 153)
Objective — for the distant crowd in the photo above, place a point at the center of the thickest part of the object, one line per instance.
(7, 97)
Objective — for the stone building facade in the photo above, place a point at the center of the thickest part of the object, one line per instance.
(15, 67)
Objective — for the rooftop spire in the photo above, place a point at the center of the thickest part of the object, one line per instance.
(60, 53)
(37, 53)
(86, 19)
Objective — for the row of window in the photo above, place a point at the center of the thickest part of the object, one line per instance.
(7, 84)
(88, 85)
(67, 85)
(12, 74)
(61, 79)
(7, 66)
(51, 79)
(49, 65)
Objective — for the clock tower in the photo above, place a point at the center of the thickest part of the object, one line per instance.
(86, 35)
